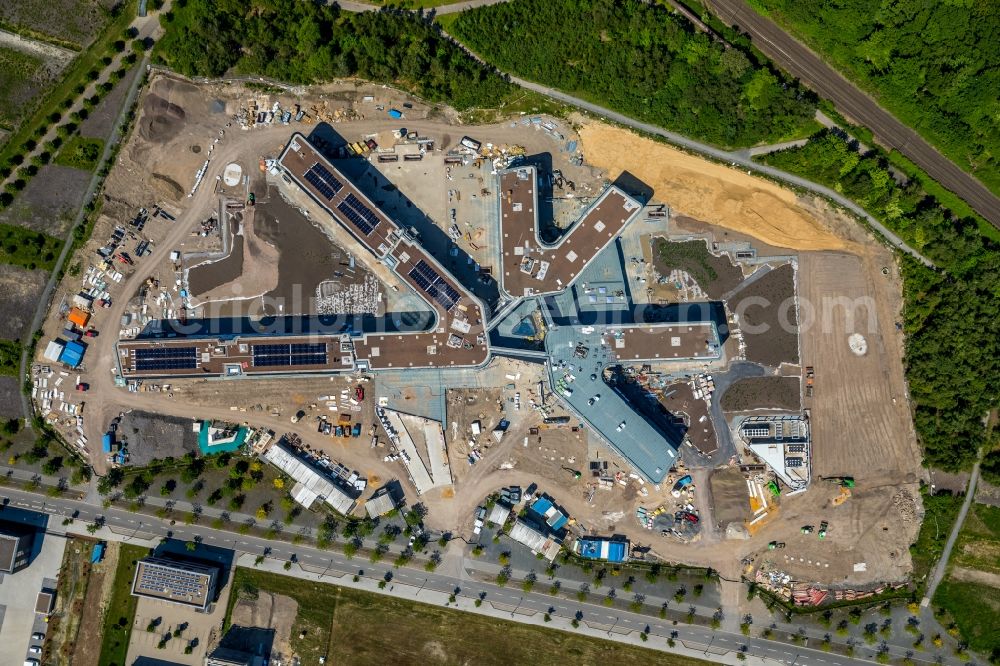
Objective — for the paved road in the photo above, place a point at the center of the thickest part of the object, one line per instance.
(938, 574)
(126, 526)
(794, 57)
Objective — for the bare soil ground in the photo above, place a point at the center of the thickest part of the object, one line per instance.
(860, 421)
(75, 577)
(767, 317)
(21, 289)
(680, 401)
(10, 397)
(87, 650)
(152, 435)
(50, 200)
(76, 21)
(729, 496)
(762, 393)
(708, 191)
(101, 120)
(270, 611)
(860, 427)
(715, 275)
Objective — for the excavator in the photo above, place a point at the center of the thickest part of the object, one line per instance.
(845, 483)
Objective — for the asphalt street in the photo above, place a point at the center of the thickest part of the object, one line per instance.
(798, 60)
(461, 581)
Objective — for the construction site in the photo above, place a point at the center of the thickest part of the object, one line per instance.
(465, 308)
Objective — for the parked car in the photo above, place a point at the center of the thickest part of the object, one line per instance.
(38, 636)
(595, 399)
(621, 426)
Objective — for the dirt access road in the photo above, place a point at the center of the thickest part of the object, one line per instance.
(797, 59)
(105, 398)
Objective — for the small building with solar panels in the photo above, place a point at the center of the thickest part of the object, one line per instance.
(182, 582)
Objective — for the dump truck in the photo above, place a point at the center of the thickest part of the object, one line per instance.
(822, 529)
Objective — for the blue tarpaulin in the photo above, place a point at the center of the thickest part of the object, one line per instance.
(393, 113)
(72, 353)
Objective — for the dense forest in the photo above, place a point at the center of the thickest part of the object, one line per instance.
(951, 316)
(935, 65)
(308, 42)
(642, 60)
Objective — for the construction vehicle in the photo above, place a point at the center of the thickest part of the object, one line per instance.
(251, 200)
(359, 393)
(845, 494)
(776, 545)
(807, 529)
(842, 481)
(810, 376)
(822, 529)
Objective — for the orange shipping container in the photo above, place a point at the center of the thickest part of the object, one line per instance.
(79, 317)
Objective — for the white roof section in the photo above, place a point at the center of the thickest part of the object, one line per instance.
(379, 505)
(499, 514)
(53, 350)
(527, 535)
(312, 483)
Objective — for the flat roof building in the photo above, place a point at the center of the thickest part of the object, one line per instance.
(181, 582)
(380, 504)
(312, 482)
(535, 539)
(16, 542)
(600, 548)
(45, 602)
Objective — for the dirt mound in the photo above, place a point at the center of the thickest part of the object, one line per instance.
(762, 393)
(707, 191)
(162, 119)
(166, 187)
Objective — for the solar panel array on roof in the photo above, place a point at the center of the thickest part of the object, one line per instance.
(165, 358)
(436, 286)
(359, 214)
(286, 354)
(325, 182)
(165, 580)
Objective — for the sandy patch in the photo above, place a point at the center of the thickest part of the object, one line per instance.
(978, 577)
(707, 191)
(269, 611)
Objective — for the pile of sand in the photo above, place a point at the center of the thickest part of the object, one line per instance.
(707, 191)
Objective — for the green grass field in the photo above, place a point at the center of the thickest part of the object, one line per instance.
(74, 74)
(940, 514)
(354, 626)
(971, 592)
(121, 608)
(80, 153)
(22, 78)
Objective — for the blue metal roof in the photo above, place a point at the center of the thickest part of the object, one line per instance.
(72, 354)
